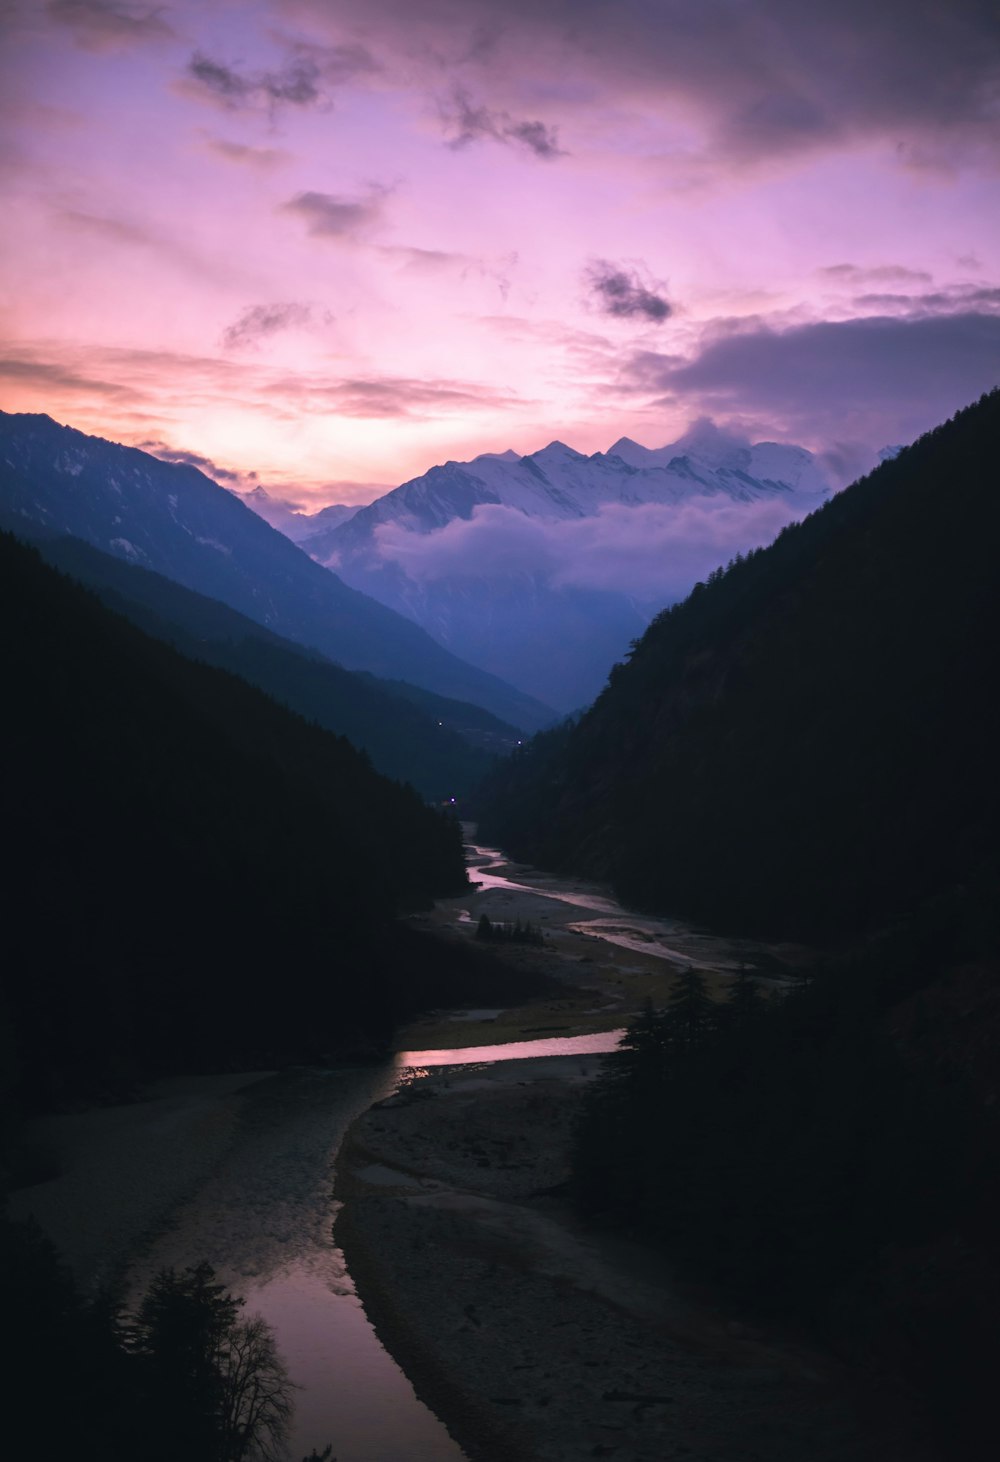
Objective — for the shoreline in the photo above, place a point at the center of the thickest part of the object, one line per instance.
(123, 1171)
(537, 1339)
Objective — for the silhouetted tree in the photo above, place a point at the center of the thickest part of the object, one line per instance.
(222, 1388)
(689, 1017)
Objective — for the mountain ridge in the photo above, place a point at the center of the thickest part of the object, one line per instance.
(171, 518)
(806, 743)
(555, 638)
(439, 746)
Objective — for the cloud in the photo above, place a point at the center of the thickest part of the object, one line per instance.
(388, 397)
(618, 290)
(167, 453)
(259, 322)
(759, 79)
(302, 81)
(127, 233)
(856, 274)
(948, 301)
(297, 84)
(44, 375)
(428, 261)
(464, 123)
(878, 379)
(100, 25)
(653, 552)
(263, 158)
(331, 216)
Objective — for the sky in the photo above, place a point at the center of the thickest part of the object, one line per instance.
(321, 245)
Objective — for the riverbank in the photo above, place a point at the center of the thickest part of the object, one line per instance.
(604, 962)
(539, 1340)
(117, 1173)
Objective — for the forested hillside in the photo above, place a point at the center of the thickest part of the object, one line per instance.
(410, 734)
(171, 518)
(807, 744)
(195, 875)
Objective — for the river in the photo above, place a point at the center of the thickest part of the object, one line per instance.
(263, 1219)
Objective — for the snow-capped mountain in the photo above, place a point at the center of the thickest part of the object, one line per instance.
(526, 614)
(561, 483)
(291, 520)
(171, 518)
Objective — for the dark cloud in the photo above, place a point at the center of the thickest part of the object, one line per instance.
(297, 84)
(619, 290)
(874, 380)
(259, 322)
(302, 81)
(328, 215)
(764, 78)
(52, 376)
(189, 459)
(464, 123)
(100, 25)
(933, 302)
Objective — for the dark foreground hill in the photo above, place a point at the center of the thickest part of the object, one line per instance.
(411, 735)
(195, 876)
(173, 519)
(808, 744)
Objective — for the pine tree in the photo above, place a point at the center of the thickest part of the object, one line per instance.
(690, 1014)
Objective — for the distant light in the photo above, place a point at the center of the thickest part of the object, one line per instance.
(519, 743)
(451, 799)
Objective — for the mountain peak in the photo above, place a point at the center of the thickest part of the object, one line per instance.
(633, 454)
(560, 449)
(704, 439)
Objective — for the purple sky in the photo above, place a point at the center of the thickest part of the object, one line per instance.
(335, 242)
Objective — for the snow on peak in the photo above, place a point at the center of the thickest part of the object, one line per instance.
(560, 449)
(509, 456)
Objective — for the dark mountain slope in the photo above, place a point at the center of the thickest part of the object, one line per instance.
(808, 744)
(404, 741)
(175, 520)
(194, 874)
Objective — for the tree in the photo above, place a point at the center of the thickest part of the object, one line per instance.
(216, 1379)
(690, 1013)
(256, 1403)
(743, 1002)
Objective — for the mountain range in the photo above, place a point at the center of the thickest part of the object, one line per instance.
(808, 742)
(517, 600)
(441, 747)
(171, 518)
(291, 520)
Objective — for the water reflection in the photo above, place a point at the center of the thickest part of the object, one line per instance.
(663, 938)
(263, 1221)
(595, 1044)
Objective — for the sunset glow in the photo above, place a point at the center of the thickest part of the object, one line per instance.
(332, 243)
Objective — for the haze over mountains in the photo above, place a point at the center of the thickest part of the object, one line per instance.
(289, 519)
(808, 742)
(543, 568)
(441, 747)
(173, 519)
